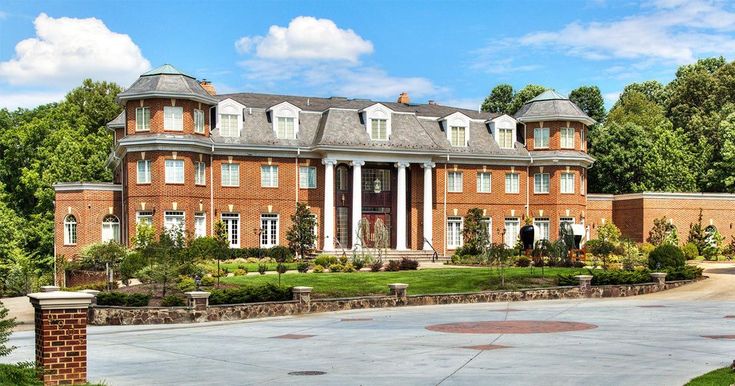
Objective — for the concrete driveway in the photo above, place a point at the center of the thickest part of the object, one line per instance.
(658, 339)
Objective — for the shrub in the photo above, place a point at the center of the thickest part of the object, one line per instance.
(262, 268)
(281, 268)
(409, 264)
(122, 300)
(690, 250)
(186, 284)
(348, 268)
(666, 256)
(523, 261)
(281, 254)
(358, 263)
(325, 260)
(318, 269)
(343, 259)
(686, 272)
(250, 294)
(240, 272)
(392, 266)
(138, 300)
(24, 373)
(207, 281)
(302, 267)
(376, 266)
(336, 268)
(646, 248)
(172, 301)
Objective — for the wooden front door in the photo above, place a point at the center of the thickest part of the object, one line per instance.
(373, 236)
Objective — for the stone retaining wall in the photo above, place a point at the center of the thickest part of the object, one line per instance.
(107, 315)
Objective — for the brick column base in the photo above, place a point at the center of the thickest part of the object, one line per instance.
(61, 336)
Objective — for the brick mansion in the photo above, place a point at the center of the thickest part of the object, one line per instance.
(185, 156)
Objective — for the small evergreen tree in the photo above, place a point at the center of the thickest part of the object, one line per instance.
(6, 328)
(475, 232)
(301, 237)
(609, 232)
(663, 232)
(697, 235)
(222, 245)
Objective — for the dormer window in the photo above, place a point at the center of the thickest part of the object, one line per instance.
(457, 127)
(285, 118)
(379, 129)
(229, 121)
(505, 138)
(377, 120)
(457, 135)
(228, 125)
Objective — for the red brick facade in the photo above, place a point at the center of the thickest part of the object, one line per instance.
(61, 345)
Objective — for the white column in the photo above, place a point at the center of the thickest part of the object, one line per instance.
(428, 207)
(328, 215)
(401, 207)
(356, 199)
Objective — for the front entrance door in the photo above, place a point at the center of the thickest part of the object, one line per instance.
(377, 237)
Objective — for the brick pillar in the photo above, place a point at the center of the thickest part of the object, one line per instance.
(61, 336)
(585, 283)
(198, 300)
(659, 278)
(399, 290)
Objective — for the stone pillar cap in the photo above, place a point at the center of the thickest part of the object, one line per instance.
(301, 289)
(398, 285)
(197, 294)
(60, 300)
(583, 277)
(658, 274)
(49, 288)
(89, 291)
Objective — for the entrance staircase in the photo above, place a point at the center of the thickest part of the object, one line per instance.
(392, 254)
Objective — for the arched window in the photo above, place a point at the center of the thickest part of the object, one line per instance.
(110, 229)
(342, 178)
(70, 230)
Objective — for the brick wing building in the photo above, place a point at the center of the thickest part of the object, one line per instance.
(186, 157)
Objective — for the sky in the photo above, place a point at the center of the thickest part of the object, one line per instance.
(452, 52)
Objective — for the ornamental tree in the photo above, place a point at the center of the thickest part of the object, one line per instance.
(301, 237)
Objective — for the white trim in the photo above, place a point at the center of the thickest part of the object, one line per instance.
(173, 123)
(74, 186)
(543, 118)
(456, 119)
(455, 219)
(377, 111)
(230, 107)
(673, 195)
(505, 122)
(284, 110)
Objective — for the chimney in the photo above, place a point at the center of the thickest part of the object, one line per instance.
(432, 102)
(208, 87)
(403, 98)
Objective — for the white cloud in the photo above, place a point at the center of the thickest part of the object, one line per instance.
(465, 103)
(307, 37)
(611, 97)
(29, 99)
(67, 50)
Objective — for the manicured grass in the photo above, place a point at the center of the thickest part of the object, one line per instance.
(251, 267)
(426, 281)
(720, 377)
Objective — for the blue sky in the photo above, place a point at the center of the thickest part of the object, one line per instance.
(452, 52)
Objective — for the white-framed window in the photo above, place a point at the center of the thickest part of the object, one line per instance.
(200, 173)
(379, 129)
(484, 182)
(512, 229)
(582, 144)
(228, 125)
(142, 119)
(454, 232)
(174, 221)
(200, 224)
(512, 183)
(70, 230)
(286, 129)
(566, 220)
(342, 177)
(174, 171)
(173, 118)
(232, 227)
(144, 217)
(487, 222)
(454, 182)
(144, 172)
(582, 186)
(269, 176)
(307, 177)
(541, 183)
(110, 229)
(457, 136)
(230, 174)
(198, 121)
(505, 138)
(541, 137)
(268, 230)
(542, 224)
(567, 137)
(567, 182)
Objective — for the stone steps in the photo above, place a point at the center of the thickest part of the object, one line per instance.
(392, 254)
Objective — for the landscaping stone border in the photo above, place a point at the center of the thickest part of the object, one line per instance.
(303, 304)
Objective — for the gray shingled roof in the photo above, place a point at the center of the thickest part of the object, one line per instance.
(551, 105)
(119, 121)
(167, 82)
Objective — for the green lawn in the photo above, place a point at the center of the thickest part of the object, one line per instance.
(251, 267)
(426, 281)
(720, 377)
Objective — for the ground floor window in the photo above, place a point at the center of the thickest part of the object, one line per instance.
(343, 226)
(454, 232)
(174, 221)
(269, 230)
(70, 230)
(110, 229)
(232, 228)
(144, 218)
(487, 222)
(512, 229)
(542, 224)
(200, 224)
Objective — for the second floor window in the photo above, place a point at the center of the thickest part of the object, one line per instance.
(174, 171)
(199, 121)
(307, 177)
(541, 183)
(142, 119)
(567, 137)
(512, 183)
(483, 182)
(200, 174)
(173, 118)
(505, 138)
(144, 172)
(230, 175)
(379, 129)
(567, 182)
(457, 136)
(228, 125)
(541, 137)
(70, 230)
(269, 176)
(454, 182)
(286, 128)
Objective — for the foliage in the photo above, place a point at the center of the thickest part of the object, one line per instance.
(300, 236)
(325, 260)
(690, 251)
(392, 266)
(6, 328)
(523, 261)
(666, 256)
(686, 272)
(696, 236)
(24, 373)
(407, 264)
(250, 294)
(630, 255)
(499, 100)
(475, 233)
(609, 232)
(663, 232)
(208, 281)
(720, 377)
(302, 267)
(499, 255)
(602, 249)
(589, 99)
(359, 263)
(524, 95)
(262, 268)
(173, 301)
(318, 269)
(376, 265)
(646, 249)
(337, 267)
(121, 299)
(348, 268)
(105, 256)
(186, 284)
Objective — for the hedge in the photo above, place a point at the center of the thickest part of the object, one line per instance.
(600, 277)
(250, 294)
(122, 299)
(278, 253)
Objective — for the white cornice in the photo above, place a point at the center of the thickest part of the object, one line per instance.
(675, 195)
(75, 186)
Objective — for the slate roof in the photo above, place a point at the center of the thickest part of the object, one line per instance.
(166, 82)
(119, 121)
(551, 105)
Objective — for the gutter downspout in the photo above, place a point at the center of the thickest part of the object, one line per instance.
(528, 186)
(298, 153)
(211, 190)
(446, 165)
